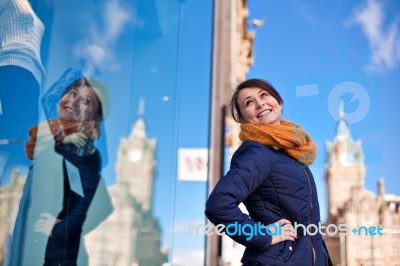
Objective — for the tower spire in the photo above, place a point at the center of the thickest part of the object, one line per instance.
(341, 110)
(141, 107)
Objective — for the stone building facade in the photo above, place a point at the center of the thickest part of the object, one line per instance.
(131, 235)
(232, 58)
(363, 212)
(9, 200)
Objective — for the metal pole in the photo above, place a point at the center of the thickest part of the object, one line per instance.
(342, 250)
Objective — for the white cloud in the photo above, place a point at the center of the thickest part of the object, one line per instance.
(383, 39)
(116, 18)
(305, 12)
(96, 50)
(188, 257)
(93, 59)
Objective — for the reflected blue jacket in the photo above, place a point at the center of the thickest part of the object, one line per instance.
(272, 186)
(68, 234)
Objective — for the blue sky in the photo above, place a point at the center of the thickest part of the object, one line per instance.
(145, 49)
(142, 49)
(327, 46)
(310, 43)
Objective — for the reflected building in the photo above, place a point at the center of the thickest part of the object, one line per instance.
(350, 203)
(9, 199)
(131, 235)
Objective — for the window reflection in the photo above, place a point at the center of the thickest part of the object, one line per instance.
(138, 50)
(63, 197)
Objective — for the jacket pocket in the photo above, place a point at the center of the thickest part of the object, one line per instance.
(288, 249)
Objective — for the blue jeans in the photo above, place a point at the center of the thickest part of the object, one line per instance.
(60, 262)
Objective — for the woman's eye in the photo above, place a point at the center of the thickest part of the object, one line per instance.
(86, 101)
(264, 94)
(247, 103)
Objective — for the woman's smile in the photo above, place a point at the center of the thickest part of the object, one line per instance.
(257, 106)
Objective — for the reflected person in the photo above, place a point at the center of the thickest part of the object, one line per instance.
(73, 171)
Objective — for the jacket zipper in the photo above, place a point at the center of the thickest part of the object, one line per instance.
(311, 214)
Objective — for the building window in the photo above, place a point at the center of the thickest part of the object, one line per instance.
(367, 253)
(392, 207)
(396, 251)
(378, 251)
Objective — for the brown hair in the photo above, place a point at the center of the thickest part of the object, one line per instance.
(84, 82)
(251, 83)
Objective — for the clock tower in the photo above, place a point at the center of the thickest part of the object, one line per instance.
(345, 169)
(352, 205)
(131, 235)
(136, 164)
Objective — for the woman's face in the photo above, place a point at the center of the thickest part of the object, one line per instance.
(257, 106)
(79, 103)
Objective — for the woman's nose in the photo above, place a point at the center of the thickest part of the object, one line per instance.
(260, 104)
(75, 102)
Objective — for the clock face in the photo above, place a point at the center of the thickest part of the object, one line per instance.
(135, 155)
(346, 158)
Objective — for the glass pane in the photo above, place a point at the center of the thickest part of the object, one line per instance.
(123, 89)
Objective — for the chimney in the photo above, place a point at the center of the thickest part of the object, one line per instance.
(381, 187)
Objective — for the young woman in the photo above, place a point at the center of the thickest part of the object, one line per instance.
(54, 211)
(269, 173)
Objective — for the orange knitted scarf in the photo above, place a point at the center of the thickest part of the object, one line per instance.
(287, 136)
(59, 129)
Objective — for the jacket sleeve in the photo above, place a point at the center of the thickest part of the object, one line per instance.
(249, 168)
(100, 208)
(2, 6)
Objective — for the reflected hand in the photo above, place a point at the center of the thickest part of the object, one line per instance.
(78, 139)
(46, 223)
(287, 232)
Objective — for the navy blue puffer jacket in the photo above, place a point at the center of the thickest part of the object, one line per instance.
(272, 186)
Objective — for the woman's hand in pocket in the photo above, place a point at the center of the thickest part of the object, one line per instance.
(286, 231)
